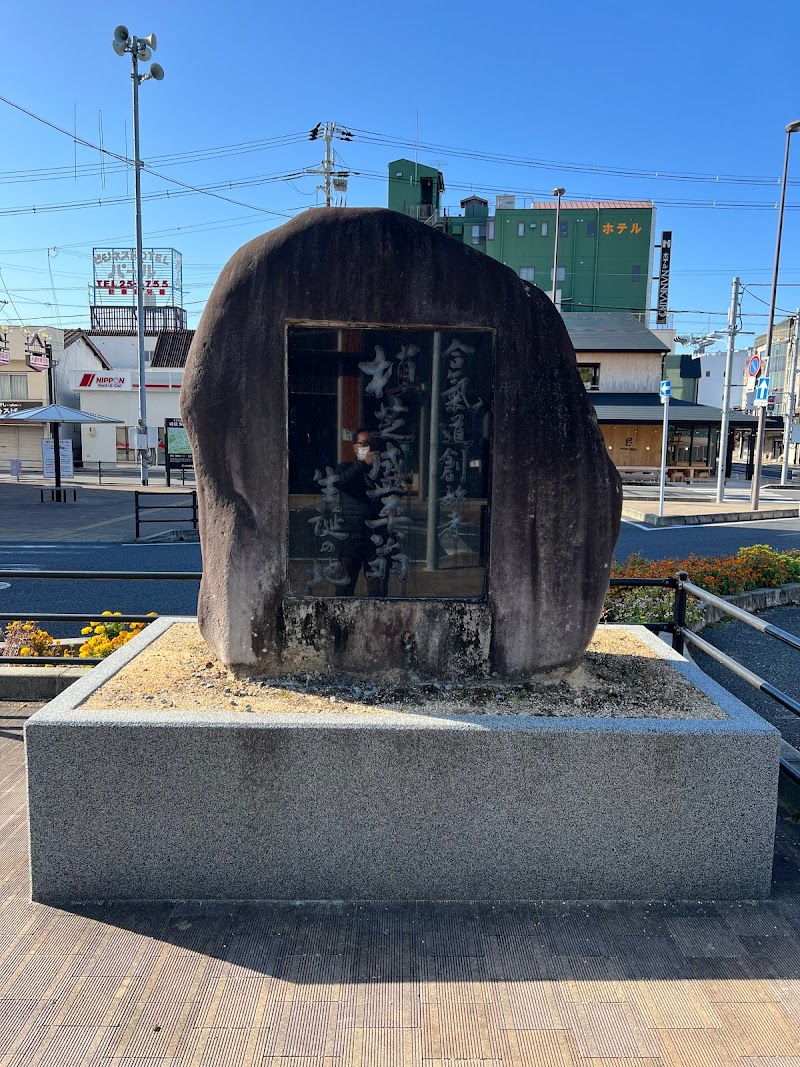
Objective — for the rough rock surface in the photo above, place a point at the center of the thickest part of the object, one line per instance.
(555, 499)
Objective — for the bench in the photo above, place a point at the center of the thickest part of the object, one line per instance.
(639, 475)
(685, 472)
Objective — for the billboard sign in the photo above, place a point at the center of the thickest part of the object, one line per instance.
(105, 381)
(5, 351)
(178, 450)
(663, 278)
(49, 458)
(114, 281)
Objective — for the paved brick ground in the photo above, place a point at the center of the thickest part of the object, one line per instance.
(310, 985)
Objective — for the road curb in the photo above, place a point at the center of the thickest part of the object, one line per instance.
(651, 519)
(37, 683)
(755, 600)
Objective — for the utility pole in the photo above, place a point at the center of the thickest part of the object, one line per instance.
(791, 375)
(733, 317)
(332, 179)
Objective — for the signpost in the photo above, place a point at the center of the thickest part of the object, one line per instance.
(178, 450)
(762, 393)
(664, 391)
(662, 306)
(754, 366)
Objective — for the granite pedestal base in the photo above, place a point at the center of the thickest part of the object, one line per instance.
(154, 805)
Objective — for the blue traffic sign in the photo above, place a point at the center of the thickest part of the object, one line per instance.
(762, 392)
(664, 391)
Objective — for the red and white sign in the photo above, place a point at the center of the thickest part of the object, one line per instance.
(5, 357)
(105, 381)
(37, 360)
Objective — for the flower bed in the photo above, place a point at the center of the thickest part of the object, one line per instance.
(104, 637)
(754, 567)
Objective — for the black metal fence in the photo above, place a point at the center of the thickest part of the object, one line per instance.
(140, 508)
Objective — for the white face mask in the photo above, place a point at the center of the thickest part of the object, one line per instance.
(362, 451)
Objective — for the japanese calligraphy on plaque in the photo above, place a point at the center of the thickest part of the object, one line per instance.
(389, 444)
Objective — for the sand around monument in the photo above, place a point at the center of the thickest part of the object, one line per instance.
(621, 677)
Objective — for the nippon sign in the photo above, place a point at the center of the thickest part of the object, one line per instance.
(115, 281)
(663, 278)
(105, 381)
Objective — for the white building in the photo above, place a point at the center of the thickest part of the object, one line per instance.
(711, 383)
(116, 394)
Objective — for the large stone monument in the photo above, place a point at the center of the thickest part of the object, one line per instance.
(399, 474)
(445, 505)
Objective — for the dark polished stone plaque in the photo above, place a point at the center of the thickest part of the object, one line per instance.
(389, 450)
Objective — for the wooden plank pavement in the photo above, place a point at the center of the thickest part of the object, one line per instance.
(333, 985)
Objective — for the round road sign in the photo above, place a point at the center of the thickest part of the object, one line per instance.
(754, 366)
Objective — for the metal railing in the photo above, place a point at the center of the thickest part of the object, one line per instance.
(681, 634)
(678, 625)
(145, 576)
(139, 508)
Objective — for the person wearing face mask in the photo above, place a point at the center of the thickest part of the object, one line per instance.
(354, 480)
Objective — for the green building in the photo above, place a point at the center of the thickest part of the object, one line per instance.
(605, 247)
(415, 189)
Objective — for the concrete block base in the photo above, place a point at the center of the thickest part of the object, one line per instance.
(128, 805)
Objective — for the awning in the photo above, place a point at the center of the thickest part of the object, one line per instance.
(639, 408)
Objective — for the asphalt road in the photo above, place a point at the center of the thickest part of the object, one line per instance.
(767, 657)
(24, 597)
(713, 540)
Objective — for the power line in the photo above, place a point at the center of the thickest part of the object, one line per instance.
(124, 159)
(372, 137)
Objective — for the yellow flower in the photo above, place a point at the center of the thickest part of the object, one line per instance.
(99, 629)
(25, 651)
(107, 613)
(27, 627)
(86, 630)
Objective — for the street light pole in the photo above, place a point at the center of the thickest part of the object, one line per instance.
(722, 462)
(793, 127)
(137, 192)
(557, 192)
(140, 48)
(791, 374)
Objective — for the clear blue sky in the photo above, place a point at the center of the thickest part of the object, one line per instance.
(693, 87)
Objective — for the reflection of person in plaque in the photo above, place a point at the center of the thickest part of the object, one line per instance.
(354, 482)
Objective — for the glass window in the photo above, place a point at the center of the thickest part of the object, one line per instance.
(544, 229)
(636, 273)
(520, 229)
(700, 446)
(388, 461)
(526, 273)
(563, 228)
(478, 234)
(591, 228)
(490, 230)
(590, 374)
(562, 274)
(13, 386)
